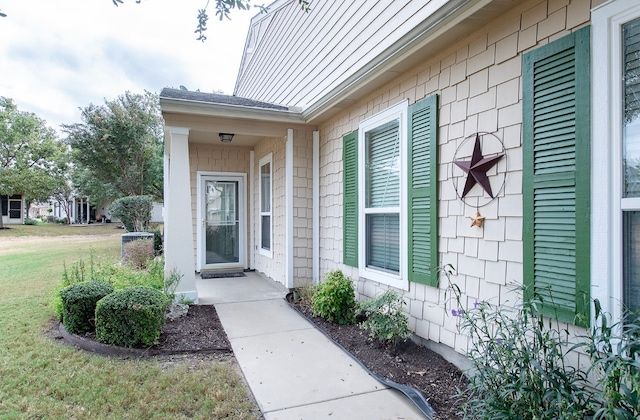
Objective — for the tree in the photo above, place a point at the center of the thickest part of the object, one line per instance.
(33, 161)
(63, 196)
(223, 9)
(117, 149)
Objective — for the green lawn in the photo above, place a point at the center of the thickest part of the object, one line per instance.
(43, 378)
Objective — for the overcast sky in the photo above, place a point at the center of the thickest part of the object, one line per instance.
(59, 55)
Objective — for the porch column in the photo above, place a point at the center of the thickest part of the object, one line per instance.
(178, 217)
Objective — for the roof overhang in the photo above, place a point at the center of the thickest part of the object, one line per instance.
(248, 124)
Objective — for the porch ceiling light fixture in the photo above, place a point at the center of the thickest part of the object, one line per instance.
(226, 137)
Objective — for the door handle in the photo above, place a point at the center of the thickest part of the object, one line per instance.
(202, 222)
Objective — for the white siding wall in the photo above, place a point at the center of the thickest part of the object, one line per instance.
(273, 267)
(302, 207)
(478, 81)
(326, 45)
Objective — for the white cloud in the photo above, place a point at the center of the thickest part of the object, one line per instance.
(58, 56)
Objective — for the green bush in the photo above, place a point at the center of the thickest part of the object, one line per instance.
(334, 299)
(122, 276)
(134, 212)
(79, 305)
(385, 319)
(31, 222)
(131, 317)
(157, 240)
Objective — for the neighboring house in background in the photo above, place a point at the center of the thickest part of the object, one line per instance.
(81, 207)
(12, 209)
(369, 164)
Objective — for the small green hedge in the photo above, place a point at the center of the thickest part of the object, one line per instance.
(335, 299)
(131, 317)
(79, 304)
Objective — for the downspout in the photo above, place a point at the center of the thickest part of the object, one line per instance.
(289, 209)
(251, 204)
(316, 208)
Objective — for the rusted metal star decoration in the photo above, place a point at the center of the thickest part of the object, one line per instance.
(478, 220)
(477, 169)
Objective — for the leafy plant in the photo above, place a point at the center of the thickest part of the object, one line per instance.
(384, 317)
(615, 360)
(134, 212)
(157, 240)
(335, 299)
(131, 317)
(519, 367)
(79, 305)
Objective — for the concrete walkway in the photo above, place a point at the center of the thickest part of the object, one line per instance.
(293, 370)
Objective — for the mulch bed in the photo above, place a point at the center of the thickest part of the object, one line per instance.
(407, 363)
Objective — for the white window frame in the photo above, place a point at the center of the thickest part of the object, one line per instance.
(267, 159)
(607, 170)
(395, 112)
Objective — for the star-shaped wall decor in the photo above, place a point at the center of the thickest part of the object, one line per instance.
(478, 220)
(477, 168)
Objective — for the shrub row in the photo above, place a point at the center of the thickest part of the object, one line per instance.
(129, 317)
(79, 305)
(334, 300)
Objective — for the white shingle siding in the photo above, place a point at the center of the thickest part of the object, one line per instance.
(479, 83)
(344, 36)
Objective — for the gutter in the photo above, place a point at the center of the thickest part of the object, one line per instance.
(191, 107)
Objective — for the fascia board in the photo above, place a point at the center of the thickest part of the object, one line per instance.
(182, 106)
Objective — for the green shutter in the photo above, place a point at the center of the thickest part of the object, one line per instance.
(350, 197)
(422, 191)
(556, 176)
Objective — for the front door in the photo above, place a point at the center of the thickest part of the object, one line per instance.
(221, 222)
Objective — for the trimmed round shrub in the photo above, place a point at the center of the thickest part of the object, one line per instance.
(335, 299)
(79, 304)
(131, 317)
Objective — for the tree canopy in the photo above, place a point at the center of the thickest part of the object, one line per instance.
(33, 161)
(117, 150)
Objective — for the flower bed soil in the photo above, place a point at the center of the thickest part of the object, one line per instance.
(407, 363)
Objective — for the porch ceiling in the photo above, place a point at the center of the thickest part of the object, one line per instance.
(248, 125)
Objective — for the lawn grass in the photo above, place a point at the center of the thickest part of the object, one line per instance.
(43, 378)
(56, 229)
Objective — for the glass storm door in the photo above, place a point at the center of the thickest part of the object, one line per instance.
(221, 222)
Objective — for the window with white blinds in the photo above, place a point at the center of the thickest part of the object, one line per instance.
(381, 144)
(382, 198)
